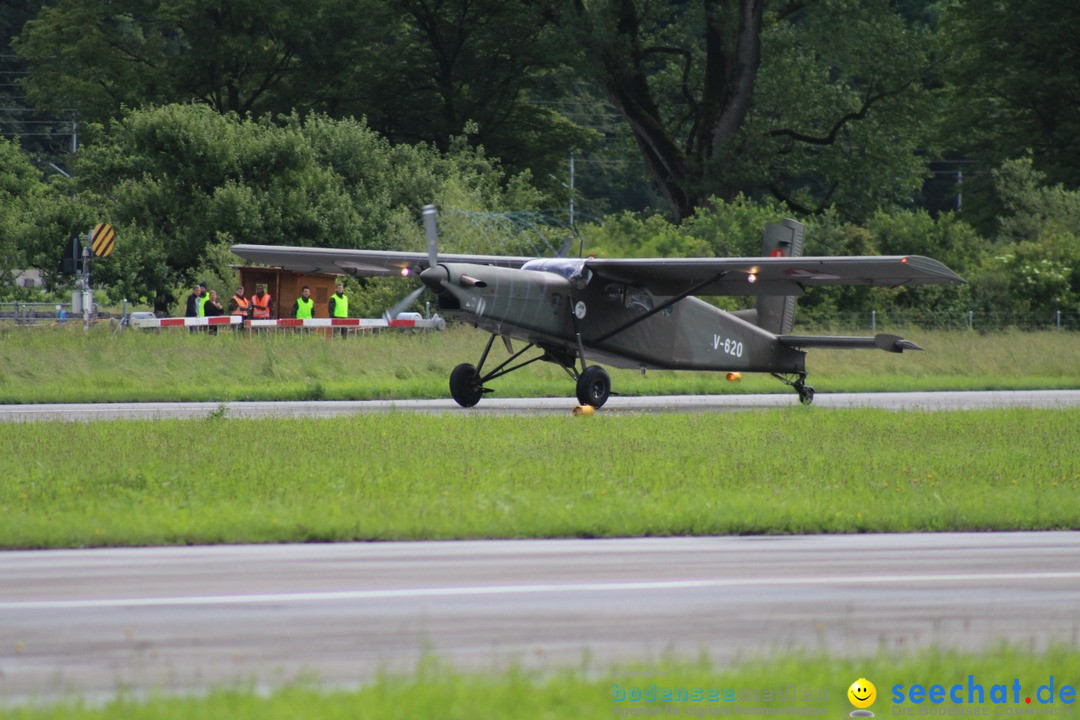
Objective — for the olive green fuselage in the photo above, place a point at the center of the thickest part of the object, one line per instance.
(618, 323)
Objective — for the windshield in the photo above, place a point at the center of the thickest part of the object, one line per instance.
(569, 268)
(573, 269)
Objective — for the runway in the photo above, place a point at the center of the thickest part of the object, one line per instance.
(494, 405)
(92, 622)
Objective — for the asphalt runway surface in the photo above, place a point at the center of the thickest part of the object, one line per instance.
(185, 619)
(494, 405)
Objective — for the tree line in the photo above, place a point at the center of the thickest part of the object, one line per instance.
(325, 122)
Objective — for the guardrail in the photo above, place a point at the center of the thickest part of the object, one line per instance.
(434, 323)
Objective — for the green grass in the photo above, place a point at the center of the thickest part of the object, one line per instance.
(63, 364)
(440, 693)
(408, 476)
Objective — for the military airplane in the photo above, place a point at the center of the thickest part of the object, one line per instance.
(629, 313)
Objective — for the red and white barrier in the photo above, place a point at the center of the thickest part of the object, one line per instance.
(436, 322)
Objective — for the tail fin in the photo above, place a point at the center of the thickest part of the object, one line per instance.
(776, 313)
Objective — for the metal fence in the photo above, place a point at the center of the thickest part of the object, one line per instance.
(28, 313)
(975, 320)
(36, 313)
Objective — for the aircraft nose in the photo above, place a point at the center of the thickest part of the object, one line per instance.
(434, 277)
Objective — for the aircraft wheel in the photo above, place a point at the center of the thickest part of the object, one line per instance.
(593, 386)
(806, 395)
(465, 385)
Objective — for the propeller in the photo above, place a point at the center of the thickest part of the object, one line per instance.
(431, 230)
(405, 302)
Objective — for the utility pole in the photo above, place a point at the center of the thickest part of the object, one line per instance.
(571, 190)
(87, 296)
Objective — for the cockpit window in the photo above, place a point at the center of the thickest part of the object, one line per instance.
(639, 299)
(572, 269)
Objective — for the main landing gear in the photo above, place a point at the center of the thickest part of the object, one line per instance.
(467, 382)
(593, 386)
(798, 381)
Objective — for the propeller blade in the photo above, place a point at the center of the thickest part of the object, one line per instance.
(431, 230)
(565, 247)
(403, 303)
(458, 292)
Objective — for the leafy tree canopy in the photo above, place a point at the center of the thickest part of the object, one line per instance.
(179, 179)
(816, 103)
(1013, 79)
(418, 71)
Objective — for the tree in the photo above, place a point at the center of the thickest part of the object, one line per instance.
(180, 181)
(36, 217)
(1013, 79)
(816, 103)
(480, 68)
(418, 70)
(19, 183)
(239, 56)
(1035, 266)
(45, 136)
(1012, 91)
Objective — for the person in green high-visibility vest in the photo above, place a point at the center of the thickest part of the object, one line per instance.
(339, 306)
(304, 307)
(204, 297)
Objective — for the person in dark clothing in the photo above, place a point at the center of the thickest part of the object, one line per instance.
(194, 301)
(213, 308)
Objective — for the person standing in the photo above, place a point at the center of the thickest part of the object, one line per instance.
(239, 305)
(213, 308)
(194, 304)
(204, 297)
(304, 307)
(339, 306)
(262, 304)
(194, 301)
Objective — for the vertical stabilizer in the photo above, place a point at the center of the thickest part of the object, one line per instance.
(783, 239)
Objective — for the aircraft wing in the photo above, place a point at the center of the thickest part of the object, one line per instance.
(359, 262)
(771, 275)
(662, 276)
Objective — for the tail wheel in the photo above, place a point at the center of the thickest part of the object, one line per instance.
(806, 393)
(465, 386)
(593, 386)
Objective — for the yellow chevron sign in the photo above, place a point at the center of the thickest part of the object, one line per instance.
(103, 240)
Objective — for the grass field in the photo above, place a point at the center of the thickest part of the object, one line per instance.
(407, 476)
(582, 694)
(63, 364)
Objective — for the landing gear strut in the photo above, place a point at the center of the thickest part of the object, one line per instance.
(806, 393)
(467, 382)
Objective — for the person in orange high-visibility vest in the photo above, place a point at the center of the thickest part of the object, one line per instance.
(262, 304)
(240, 306)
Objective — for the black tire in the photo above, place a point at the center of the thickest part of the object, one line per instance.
(806, 395)
(465, 385)
(593, 386)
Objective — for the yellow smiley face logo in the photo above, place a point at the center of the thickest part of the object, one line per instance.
(862, 693)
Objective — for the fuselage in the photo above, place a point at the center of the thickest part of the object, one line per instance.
(619, 323)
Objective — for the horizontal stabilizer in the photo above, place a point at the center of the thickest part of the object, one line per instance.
(881, 341)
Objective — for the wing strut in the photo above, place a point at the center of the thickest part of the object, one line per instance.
(659, 308)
